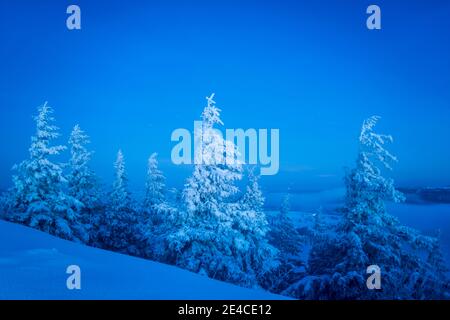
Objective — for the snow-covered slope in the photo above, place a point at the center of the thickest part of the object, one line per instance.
(33, 266)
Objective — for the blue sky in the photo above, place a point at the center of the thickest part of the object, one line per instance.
(140, 69)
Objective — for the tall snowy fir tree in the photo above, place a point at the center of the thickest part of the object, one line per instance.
(368, 235)
(213, 237)
(37, 197)
(118, 228)
(158, 216)
(253, 198)
(283, 234)
(251, 222)
(154, 186)
(82, 182)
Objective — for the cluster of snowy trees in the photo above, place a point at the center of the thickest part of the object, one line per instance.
(213, 228)
(412, 265)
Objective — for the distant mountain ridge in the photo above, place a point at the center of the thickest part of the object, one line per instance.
(427, 195)
(330, 199)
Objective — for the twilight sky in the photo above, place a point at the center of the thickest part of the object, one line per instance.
(137, 70)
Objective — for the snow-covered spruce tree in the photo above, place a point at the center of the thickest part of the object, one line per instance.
(251, 222)
(154, 187)
(253, 198)
(82, 182)
(284, 236)
(157, 214)
(214, 236)
(37, 198)
(118, 229)
(368, 235)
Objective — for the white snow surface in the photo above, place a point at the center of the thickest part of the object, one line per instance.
(33, 266)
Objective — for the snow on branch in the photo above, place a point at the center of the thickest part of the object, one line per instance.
(373, 143)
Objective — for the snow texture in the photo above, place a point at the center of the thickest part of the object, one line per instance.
(33, 266)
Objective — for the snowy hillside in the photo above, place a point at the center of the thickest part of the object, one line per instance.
(33, 266)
